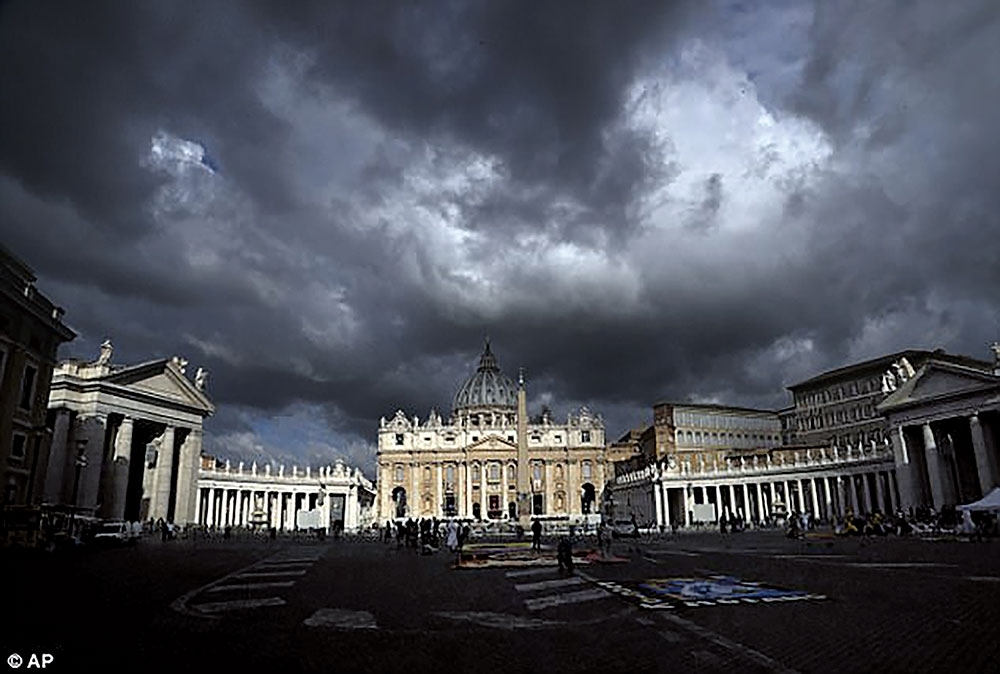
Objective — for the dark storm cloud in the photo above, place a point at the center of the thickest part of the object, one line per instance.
(530, 82)
(639, 202)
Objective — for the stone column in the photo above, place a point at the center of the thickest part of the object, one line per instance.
(761, 514)
(163, 476)
(187, 476)
(985, 468)
(225, 507)
(665, 498)
(866, 493)
(687, 506)
(414, 498)
(933, 467)
(841, 489)
(121, 459)
(828, 498)
(732, 501)
(814, 496)
(438, 491)
(905, 470)
(211, 507)
(880, 492)
(746, 502)
(468, 489)
(658, 504)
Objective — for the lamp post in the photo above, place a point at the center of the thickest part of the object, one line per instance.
(81, 462)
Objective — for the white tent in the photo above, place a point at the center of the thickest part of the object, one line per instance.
(989, 502)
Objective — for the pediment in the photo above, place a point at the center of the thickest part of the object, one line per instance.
(492, 442)
(937, 380)
(162, 380)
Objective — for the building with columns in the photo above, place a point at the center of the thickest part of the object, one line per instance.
(488, 461)
(839, 406)
(31, 330)
(876, 435)
(944, 422)
(265, 497)
(126, 440)
(753, 482)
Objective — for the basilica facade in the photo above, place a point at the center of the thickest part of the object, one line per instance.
(488, 461)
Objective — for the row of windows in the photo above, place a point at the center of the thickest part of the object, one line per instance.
(876, 436)
(494, 470)
(837, 417)
(535, 437)
(722, 421)
(697, 438)
(841, 391)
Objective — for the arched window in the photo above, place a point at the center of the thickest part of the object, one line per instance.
(587, 470)
(511, 472)
(559, 471)
(475, 472)
(494, 471)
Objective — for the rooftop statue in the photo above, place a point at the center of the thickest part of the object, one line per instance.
(201, 379)
(106, 350)
(181, 364)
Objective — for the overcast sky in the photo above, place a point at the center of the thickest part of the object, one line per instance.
(329, 205)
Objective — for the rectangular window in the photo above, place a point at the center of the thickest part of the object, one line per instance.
(558, 438)
(399, 439)
(536, 471)
(584, 436)
(28, 386)
(494, 471)
(399, 473)
(510, 438)
(17, 448)
(586, 470)
(475, 473)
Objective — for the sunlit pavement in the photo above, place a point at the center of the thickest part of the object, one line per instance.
(837, 605)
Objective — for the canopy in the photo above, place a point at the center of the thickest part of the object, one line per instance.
(989, 502)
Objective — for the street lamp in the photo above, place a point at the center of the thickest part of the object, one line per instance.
(81, 462)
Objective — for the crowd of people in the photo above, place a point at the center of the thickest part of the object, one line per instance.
(426, 535)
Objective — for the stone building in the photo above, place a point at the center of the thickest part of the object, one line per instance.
(838, 407)
(261, 496)
(831, 452)
(706, 461)
(944, 421)
(127, 439)
(31, 330)
(488, 460)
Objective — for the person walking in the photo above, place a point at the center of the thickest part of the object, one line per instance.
(536, 535)
(451, 538)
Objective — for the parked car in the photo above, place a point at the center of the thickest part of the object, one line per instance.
(624, 529)
(115, 533)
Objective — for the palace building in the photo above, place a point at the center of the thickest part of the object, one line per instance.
(879, 435)
(488, 461)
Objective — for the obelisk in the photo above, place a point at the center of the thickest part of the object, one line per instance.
(523, 476)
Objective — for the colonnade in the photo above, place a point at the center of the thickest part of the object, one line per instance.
(825, 489)
(823, 496)
(224, 506)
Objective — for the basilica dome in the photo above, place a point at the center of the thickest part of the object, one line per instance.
(487, 387)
